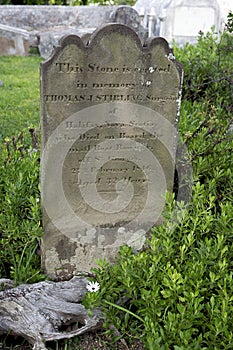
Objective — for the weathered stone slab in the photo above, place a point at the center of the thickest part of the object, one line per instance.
(121, 14)
(47, 24)
(50, 39)
(109, 115)
(182, 20)
(130, 17)
(13, 41)
(47, 17)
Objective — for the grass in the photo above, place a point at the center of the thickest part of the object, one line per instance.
(19, 95)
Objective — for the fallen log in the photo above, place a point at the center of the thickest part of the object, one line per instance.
(39, 311)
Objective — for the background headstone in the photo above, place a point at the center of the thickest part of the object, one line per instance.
(109, 115)
(130, 17)
(182, 20)
(13, 41)
(45, 25)
(149, 11)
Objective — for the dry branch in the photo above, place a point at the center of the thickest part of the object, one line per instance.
(37, 312)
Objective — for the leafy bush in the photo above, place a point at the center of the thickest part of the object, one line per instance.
(180, 286)
(208, 70)
(229, 25)
(20, 214)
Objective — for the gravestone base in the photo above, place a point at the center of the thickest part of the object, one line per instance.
(66, 257)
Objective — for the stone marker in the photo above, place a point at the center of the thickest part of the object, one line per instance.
(13, 41)
(182, 20)
(130, 17)
(147, 7)
(50, 39)
(43, 26)
(109, 115)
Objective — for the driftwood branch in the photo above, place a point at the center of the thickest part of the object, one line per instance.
(39, 311)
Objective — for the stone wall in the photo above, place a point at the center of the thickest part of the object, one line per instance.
(45, 25)
(46, 17)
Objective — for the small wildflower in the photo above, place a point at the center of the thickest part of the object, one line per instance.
(121, 230)
(93, 286)
(32, 150)
(170, 56)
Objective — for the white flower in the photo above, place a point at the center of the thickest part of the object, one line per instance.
(148, 83)
(121, 230)
(93, 286)
(170, 56)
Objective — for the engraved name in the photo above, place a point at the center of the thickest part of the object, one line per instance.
(66, 67)
(107, 98)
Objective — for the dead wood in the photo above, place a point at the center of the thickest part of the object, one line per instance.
(39, 311)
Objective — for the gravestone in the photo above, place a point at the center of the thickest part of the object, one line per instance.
(146, 8)
(109, 116)
(182, 20)
(13, 41)
(130, 17)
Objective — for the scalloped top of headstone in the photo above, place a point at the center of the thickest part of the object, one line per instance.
(114, 51)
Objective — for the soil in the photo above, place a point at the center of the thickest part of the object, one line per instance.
(88, 341)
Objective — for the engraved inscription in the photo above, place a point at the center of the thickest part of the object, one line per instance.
(108, 98)
(66, 67)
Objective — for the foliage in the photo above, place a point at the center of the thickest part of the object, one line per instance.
(229, 25)
(181, 286)
(20, 216)
(20, 210)
(208, 70)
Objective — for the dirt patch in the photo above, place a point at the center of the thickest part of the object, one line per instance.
(88, 341)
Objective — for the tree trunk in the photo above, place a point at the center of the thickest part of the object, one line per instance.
(37, 312)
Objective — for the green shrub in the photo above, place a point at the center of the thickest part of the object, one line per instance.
(208, 70)
(20, 214)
